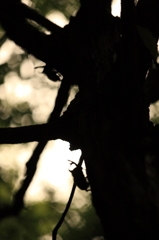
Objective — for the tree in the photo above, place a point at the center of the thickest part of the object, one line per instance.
(108, 58)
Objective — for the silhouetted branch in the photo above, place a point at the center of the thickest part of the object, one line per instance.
(63, 128)
(58, 225)
(31, 165)
(55, 230)
(29, 133)
(49, 49)
(57, 127)
(32, 14)
(27, 36)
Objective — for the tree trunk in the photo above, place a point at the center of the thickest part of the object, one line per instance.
(114, 124)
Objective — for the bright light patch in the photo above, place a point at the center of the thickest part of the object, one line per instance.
(27, 69)
(53, 171)
(15, 89)
(154, 111)
(55, 165)
(58, 18)
(22, 90)
(116, 8)
(6, 51)
(27, 2)
(41, 113)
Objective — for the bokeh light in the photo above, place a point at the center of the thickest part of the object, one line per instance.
(58, 18)
(116, 8)
(6, 51)
(28, 90)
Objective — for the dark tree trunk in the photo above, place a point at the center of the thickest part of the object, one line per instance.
(114, 124)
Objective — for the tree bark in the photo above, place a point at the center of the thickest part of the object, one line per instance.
(114, 127)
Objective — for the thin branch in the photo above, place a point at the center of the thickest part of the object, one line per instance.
(57, 127)
(47, 49)
(55, 230)
(58, 225)
(31, 165)
(44, 47)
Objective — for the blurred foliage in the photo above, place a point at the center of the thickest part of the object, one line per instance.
(6, 186)
(67, 7)
(38, 219)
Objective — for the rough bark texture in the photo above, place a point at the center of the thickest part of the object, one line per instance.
(114, 126)
(110, 112)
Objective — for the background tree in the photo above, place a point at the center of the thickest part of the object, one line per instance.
(108, 58)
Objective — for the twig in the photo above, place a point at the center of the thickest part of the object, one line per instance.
(31, 165)
(58, 225)
(55, 230)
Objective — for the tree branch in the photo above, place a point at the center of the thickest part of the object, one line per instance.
(25, 35)
(32, 14)
(47, 49)
(31, 165)
(30, 133)
(53, 49)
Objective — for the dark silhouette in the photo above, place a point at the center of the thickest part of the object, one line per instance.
(108, 58)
